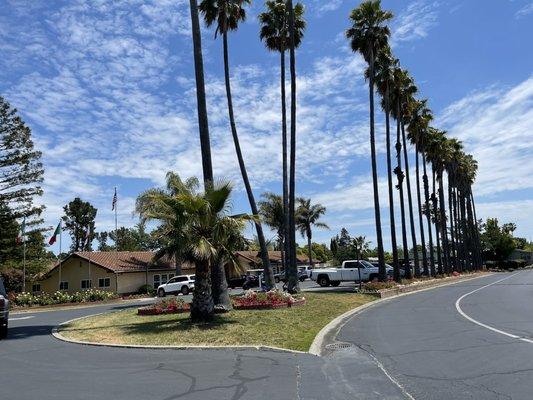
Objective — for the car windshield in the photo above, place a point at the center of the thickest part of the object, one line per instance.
(366, 264)
(2, 288)
(192, 277)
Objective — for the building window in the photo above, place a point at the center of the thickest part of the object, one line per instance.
(86, 284)
(157, 281)
(104, 282)
(164, 279)
(63, 285)
(36, 287)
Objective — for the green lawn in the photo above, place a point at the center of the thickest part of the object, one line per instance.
(291, 328)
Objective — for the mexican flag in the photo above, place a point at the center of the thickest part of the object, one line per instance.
(22, 234)
(54, 236)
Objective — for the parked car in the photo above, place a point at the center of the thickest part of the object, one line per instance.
(179, 284)
(376, 264)
(281, 277)
(245, 281)
(4, 310)
(349, 271)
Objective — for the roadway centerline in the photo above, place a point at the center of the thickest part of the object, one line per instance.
(462, 313)
(21, 318)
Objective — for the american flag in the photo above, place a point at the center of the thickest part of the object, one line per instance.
(114, 200)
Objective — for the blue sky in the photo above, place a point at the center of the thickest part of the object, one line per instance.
(108, 89)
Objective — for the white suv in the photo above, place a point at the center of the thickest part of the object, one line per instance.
(179, 284)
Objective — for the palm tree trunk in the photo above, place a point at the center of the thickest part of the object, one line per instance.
(453, 253)
(205, 143)
(410, 204)
(377, 211)
(458, 235)
(464, 230)
(400, 176)
(219, 287)
(476, 227)
(444, 232)
(269, 276)
(286, 240)
(292, 283)
(428, 217)
(437, 224)
(473, 241)
(395, 263)
(310, 249)
(420, 218)
(202, 307)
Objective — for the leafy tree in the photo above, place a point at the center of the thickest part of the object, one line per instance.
(306, 218)
(497, 241)
(79, 221)
(272, 212)
(321, 252)
(360, 246)
(21, 170)
(227, 14)
(368, 36)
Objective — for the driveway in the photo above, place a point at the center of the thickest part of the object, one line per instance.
(472, 340)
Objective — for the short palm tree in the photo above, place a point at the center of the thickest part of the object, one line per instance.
(369, 35)
(307, 217)
(275, 33)
(272, 212)
(227, 14)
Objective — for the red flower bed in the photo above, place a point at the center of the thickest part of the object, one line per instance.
(265, 300)
(170, 306)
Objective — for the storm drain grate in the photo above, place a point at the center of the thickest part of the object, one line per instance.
(339, 346)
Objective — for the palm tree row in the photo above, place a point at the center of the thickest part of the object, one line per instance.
(454, 227)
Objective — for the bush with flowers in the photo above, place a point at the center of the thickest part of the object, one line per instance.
(264, 300)
(59, 297)
(171, 305)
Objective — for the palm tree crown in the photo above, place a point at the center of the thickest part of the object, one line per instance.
(275, 25)
(226, 13)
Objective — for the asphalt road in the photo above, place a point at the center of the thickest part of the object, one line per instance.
(420, 341)
(436, 347)
(35, 365)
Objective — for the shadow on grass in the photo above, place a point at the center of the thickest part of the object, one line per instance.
(154, 327)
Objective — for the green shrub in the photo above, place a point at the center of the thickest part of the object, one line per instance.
(146, 289)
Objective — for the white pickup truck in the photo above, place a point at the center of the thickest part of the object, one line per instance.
(349, 271)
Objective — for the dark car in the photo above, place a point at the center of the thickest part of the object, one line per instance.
(4, 310)
(376, 264)
(244, 281)
(302, 276)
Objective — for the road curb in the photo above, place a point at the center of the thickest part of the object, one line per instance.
(330, 331)
(56, 333)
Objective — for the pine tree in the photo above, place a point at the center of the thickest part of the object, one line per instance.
(79, 221)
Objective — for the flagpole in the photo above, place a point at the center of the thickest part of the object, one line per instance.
(116, 219)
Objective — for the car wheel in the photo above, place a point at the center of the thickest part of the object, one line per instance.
(185, 290)
(302, 279)
(161, 293)
(276, 279)
(3, 331)
(335, 283)
(323, 281)
(245, 286)
(372, 277)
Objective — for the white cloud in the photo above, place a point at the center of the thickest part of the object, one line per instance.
(495, 125)
(524, 11)
(414, 22)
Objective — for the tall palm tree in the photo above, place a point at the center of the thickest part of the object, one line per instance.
(420, 118)
(368, 36)
(400, 78)
(275, 33)
(384, 76)
(307, 217)
(203, 124)
(227, 14)
(292, 275)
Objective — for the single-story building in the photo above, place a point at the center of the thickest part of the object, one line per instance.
(522, 255)
(122, 272)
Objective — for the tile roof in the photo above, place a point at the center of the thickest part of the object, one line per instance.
(126, 261)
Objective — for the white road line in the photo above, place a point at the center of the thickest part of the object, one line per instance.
(20, 318)
(460, 311)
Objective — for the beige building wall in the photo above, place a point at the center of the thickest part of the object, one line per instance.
(73, 271)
